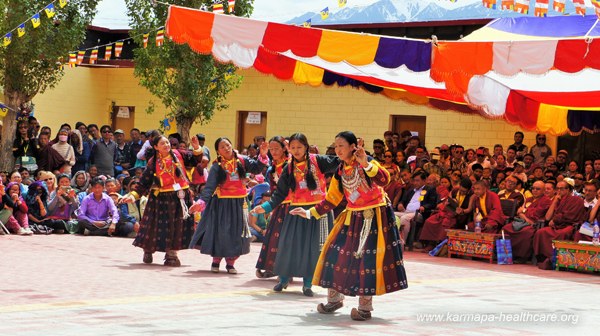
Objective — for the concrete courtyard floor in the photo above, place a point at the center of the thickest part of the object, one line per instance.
(75, 285)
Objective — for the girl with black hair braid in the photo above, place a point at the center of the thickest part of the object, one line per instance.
(166, 225)
(299, 242)
(279, 157)
(362, 255)
(223, 231)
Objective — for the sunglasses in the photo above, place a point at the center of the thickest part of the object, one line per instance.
(48, 179)
(387, 156)
(106, 131)
(459, 152)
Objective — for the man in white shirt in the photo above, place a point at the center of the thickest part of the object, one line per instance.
(590, 193)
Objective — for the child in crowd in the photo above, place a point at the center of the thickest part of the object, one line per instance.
(127, 226)
(258, 222)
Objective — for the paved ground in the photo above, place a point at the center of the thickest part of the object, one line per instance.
(75, 285)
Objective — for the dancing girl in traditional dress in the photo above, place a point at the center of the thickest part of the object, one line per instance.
(363, 254)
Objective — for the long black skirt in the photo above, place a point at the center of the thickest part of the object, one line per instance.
(219, 233)
(378, 271)
(299, 248)
(268, 251)
(162, 226)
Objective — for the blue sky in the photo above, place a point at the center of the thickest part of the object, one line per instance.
(112, 13)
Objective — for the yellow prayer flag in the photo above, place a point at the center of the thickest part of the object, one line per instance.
(3, 110)
(325, 13)
(62, 3)
(35, 20)
(7, 39)
(21, 30)
(342, 3)
(50, 11)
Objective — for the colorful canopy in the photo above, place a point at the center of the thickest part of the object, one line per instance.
(513, 80)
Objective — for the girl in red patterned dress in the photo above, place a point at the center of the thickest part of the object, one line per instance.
(363, 254)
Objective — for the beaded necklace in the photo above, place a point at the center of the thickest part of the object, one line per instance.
(275, 173)
(353, 178)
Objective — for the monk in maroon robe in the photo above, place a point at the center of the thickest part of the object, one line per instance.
(451, 215)
(565, 211)
(510, 191)
(488, 205)
(530, 213)
(590, 190)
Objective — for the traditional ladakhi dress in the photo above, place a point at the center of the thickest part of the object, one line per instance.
(223, 230)
(363, 253)
(268, 252)
(165, 225)
(300, 239)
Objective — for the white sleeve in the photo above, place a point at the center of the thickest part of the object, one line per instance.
(140, 154)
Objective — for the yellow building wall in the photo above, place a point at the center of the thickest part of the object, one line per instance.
(85, 94)
(81, 95)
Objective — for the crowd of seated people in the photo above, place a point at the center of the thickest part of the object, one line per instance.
(551, 197)
(73, 183)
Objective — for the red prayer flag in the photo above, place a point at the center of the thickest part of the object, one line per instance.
(118, 49)
(94, 56)
(522, 6)
(160, 37)
(559, 5)
(72, 60)
(541, 8)
(489, 4)
(108, 53)
(80, 56)
(508, 4)
(579, 6)
(146, 39)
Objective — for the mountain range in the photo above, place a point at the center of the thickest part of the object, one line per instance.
(384, 11)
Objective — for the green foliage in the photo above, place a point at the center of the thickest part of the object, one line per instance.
(30, 64)
(191, 86)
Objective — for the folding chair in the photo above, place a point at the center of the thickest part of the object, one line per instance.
(4, 229)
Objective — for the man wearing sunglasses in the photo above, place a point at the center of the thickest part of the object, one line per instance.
(104, 152)
(540, 150)
(458, 161)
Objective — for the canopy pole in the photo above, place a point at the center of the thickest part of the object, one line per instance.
(590, 31)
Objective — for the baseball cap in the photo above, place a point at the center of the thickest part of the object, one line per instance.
(119, 131)
(480, 151)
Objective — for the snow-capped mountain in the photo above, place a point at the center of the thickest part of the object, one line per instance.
(411, 11)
